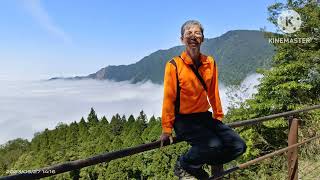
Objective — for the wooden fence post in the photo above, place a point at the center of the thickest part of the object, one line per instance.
(293, 153)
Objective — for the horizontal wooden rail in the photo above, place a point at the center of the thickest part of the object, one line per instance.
(254, 161)
(271, 117)
(106, 157)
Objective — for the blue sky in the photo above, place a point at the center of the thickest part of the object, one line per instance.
(40, 39)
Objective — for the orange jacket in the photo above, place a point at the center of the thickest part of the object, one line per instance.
(193, 97)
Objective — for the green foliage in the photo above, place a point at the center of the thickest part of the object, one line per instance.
(116, 125)
(292, 83)
(82, 139)
(10, 152)
(92, 117)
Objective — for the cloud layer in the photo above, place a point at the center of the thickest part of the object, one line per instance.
(27, 107)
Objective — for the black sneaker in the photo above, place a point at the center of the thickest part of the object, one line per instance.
(199, 173)
(189, 173)
(181, 173)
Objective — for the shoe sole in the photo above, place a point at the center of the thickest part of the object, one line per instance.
(187, 178)
(184, 178)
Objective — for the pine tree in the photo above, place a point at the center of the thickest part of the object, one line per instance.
(92, 117)
(123, 119)
(83, 131)
(116, 125)
(142, 119)
(131, 119)
(104, 120)
(152, 120)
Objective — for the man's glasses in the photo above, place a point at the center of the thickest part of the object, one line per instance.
(190, 34)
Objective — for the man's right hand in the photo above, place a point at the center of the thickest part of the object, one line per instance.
(164, 137)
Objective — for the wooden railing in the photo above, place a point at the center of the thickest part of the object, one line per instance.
(217, 171)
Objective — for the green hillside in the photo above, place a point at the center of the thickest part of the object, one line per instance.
(238, 53)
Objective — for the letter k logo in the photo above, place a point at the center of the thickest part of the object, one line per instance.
(288, 21)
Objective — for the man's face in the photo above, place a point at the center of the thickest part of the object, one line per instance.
(192, 37)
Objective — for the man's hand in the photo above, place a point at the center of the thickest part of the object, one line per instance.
(164, 137)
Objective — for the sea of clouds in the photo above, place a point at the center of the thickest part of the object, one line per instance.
(27, 107)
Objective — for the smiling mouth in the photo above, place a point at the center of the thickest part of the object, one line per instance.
(193, 43)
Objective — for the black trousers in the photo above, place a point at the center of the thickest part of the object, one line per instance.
(212, 141)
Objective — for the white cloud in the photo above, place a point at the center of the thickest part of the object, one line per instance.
(31, 106)
(40, 14)
(27, 107)
(232, 96)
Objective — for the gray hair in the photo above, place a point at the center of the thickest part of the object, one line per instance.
(190, 23)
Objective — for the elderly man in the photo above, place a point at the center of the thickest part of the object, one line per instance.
(190, 81)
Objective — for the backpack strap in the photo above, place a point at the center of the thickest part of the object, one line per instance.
(177, 101)
(198, 76)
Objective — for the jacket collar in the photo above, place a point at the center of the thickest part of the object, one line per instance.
(187, 59)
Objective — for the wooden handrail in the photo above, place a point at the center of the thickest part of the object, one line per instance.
(254, 161)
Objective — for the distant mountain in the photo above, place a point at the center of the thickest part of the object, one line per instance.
(238, 53)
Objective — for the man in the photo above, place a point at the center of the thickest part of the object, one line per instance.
(189, 79)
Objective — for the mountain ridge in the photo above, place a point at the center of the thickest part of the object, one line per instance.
(238, 53)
